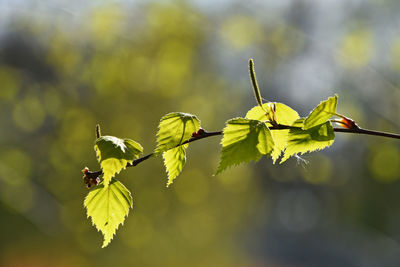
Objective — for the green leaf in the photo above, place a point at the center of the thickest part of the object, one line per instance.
(174, 160)
(284, 115)
(174, 129)
(114, 154)
(108, 207)
(321, 113)
(244, 140)
(281, 139)
(303, 141)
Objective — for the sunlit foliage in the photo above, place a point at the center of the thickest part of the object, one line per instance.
(64, 68)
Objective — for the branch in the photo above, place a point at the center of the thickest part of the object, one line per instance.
(94, 175)
(367, 132)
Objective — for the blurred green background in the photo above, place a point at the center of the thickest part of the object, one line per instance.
(67, 65)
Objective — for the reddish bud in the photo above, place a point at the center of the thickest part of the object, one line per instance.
(348, 123)
(198, 133)
(85, 170)
(90, 179)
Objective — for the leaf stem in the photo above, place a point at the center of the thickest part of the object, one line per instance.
(203, 135)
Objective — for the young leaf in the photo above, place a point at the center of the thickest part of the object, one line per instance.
(174, 160)
(174, 129)
(108, 207)
(259, 113)
(284, 115)
(303, 141)
(114, 153)
(244, 140)
(321, 113)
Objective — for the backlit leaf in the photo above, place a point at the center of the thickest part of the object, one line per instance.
(114, 154)
(244, 140)
(280, 139)
(303, 141)
(284, 115)
(321, 113)
(258, 113)
(174, 129)
(174, 160)
(108, 207)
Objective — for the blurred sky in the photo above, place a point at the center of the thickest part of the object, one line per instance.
(67, 65)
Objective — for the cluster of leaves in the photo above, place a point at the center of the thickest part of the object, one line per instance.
(271, 129)
(249, 138)
(268, 129)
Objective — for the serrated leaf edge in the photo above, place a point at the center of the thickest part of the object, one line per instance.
(171, 180)
(219, 169)
(125, 216)
(193, 118)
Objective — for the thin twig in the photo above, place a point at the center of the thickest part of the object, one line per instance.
(276, 127)
(368, 132)
(203, 135)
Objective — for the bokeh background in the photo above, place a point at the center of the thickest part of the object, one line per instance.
(67, 65)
